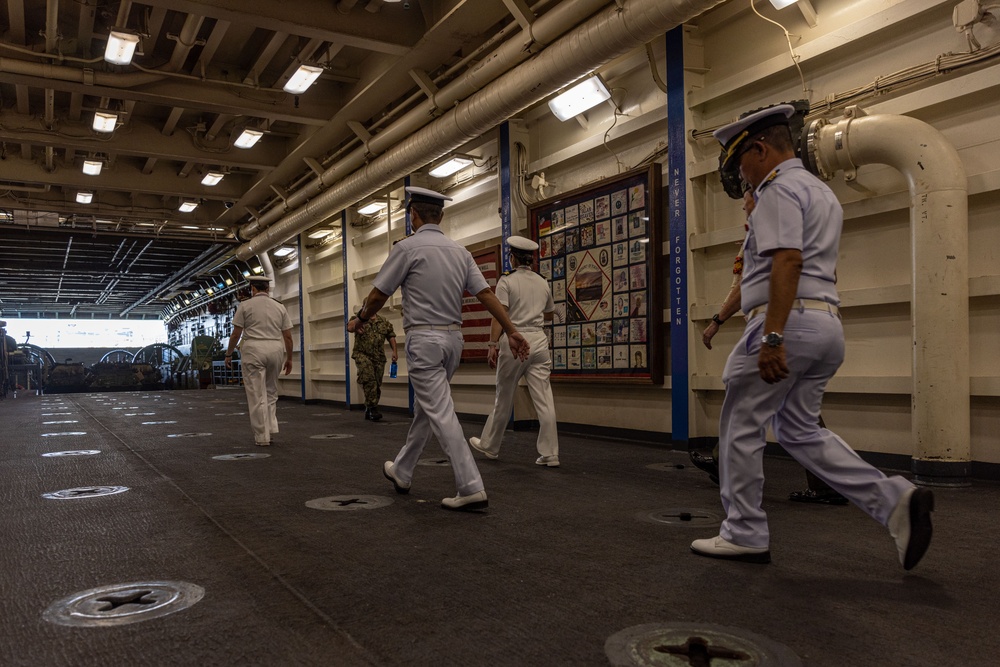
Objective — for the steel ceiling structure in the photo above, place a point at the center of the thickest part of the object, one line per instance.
(204, 71)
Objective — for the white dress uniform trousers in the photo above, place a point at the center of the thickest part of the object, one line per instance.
(536, 371)
(261, 361)
(432, 357)
(814, 349)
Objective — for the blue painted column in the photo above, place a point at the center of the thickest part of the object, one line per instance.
(677, 234)
(505, 216)
(302, 323)
(409, 230)
(347, 316)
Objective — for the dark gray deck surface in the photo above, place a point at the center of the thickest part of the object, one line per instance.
(561, 560)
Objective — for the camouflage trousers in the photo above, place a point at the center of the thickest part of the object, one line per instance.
(370, 373)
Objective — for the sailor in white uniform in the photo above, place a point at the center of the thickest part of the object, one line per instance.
(266, 329)
(528, 300)
(793, 344)
(434, 272)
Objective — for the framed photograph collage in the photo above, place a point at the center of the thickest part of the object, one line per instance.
(599, 248)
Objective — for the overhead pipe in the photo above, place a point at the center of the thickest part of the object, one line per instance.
(939, 302)
(608, 35)
(547, 28)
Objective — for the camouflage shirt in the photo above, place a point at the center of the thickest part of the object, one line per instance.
(371, 341)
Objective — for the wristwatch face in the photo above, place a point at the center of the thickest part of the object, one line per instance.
(773, 339)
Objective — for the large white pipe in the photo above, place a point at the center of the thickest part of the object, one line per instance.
(608, 35)
(939, 303)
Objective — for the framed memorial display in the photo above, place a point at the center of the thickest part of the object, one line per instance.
(600, 251)
(476, 320)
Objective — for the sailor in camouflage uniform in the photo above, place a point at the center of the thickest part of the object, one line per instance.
(369, 355)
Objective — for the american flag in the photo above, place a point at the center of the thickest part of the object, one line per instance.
(476, 320)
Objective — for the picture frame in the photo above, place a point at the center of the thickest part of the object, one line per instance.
(606, 274)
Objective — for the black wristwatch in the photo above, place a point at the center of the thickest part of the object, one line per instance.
(773, 339)
(715, 318)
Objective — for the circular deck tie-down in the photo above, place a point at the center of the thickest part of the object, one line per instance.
(241, 457)
(685, 644)
(84, 492)
(681, 517)
(121, 604)
(349, 503)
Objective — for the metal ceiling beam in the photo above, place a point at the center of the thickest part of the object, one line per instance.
(143, 140)
(128, 177)
(313, 18)
(313, 109)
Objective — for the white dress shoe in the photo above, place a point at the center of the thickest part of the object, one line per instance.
(910, 525)
(474, 501)
(550, 461)
(487, 453)
(390, 474)
(717, 547)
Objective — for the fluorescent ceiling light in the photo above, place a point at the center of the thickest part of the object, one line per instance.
(372, 208)
(258, 269)
(304, 77)
(584, 95)
(450, 167)
(121, 47)
(246, 274)
(320, 233)
(84, 197)
(781, 4)
(92, 167)
(283, 251)
(229, 281)
(105, 121)
(189, 226)
(187, 206)
(248, 138)
(209, 291)
(212, 178)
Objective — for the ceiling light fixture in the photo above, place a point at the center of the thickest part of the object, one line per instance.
(258, 269)
(304, 77)
(248, 138)
(283, 251)
(587, 94)
(105, 121)
(781, 4)
(450, 167)
(372, 208)
(320, 233)
(92, 167)
(84, 197)
(121, 46)
(212, 178)
(187, 206)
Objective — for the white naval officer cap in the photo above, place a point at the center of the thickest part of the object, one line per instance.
(259, 281)
(734, 135)
(521, 243)
(425, 196)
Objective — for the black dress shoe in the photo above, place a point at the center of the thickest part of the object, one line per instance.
(368, 415)
(707, 463)
(376, 415)
(810, 496)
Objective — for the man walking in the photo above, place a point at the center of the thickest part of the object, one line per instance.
(266, 330)
(434, 272)
(793, 344)
(528, 301)
(369, 355)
